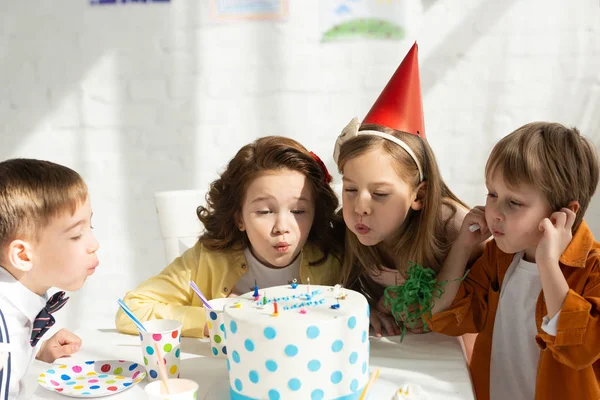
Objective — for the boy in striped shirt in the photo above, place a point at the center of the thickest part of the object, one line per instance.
(45, 241)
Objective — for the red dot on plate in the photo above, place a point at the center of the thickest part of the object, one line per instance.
(105, 368)
(174, 334)
(59, 389)
(112, 388)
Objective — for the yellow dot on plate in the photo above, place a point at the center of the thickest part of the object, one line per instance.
(111, 381)
(209, 325)
(62, 366)
(91, 373)
(42, 375)
(78, 387)
(173, 370)
(120, 377)
(41, 381)
(80, 378)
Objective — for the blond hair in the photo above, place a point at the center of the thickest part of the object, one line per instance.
(423, 236)
(32, 192)
(554, 159)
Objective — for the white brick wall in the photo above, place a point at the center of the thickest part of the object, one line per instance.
(148, 97)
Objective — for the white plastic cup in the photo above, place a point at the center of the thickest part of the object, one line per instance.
(216, 326)
(179, 389)
(166, 334)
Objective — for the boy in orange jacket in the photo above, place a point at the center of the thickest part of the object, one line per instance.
(534, 295)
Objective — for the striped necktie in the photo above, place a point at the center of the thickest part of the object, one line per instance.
(44, 319)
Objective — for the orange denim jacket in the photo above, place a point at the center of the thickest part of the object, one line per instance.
(569, 365)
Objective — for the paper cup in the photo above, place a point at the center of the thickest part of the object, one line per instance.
(179, 389)
(166, 334)
(216, 326)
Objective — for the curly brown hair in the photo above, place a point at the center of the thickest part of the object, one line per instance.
(271, 153)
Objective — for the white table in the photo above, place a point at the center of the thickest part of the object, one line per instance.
(433, 361)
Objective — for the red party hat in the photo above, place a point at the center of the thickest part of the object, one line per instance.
(399, 105)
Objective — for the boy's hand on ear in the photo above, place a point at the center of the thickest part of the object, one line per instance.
(62, 344)
(473, 237)
(556, 236)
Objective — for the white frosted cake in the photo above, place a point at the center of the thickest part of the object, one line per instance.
(315, 347)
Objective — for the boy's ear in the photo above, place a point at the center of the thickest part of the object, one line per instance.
(573, 206)
(19, 255)
(419, 200)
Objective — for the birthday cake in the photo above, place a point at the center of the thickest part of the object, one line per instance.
(298, 342)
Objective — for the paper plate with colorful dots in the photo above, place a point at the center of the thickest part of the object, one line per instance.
(92, 378)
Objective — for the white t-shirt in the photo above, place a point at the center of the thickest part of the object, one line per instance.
(265, 276)
(18, 308)
(515, 354)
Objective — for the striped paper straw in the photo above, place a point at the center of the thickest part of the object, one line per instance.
(127, 311)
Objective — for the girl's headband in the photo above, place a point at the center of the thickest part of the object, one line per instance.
(351, 131)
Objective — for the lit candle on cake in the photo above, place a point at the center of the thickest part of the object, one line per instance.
(275, 312)
(256, 294)
(264, 298)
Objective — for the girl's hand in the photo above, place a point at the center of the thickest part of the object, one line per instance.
(413, 326)
(381, 317)
(471, 237)
(556, 236)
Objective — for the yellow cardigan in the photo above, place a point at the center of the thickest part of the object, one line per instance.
(168, 295)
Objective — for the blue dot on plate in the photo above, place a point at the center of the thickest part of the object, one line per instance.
(215, 351)
(352, 322)
(177, 353)
(71, 383)
(213, 315)
(364, 336)
(353, 357)
(271, 365)
(233, 327)
(103, 376)
(253, 375)
(368, 312)
(354, 385)
(270, 332)
(314, 365)
(224, 350)
(274, 394)
(291, 350)
(238, 385)
(149, 350)
(337, 346)
(91, 362)
(153, 373)
(132, 367)
(228, 365)
(222, 327)
(312, 332)
(126, 384)
(336, 377)
(95, 387)
(294, 384)
(65, 377)
(235, 356)
(249, 345)
(364, 367)
(317, 394)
